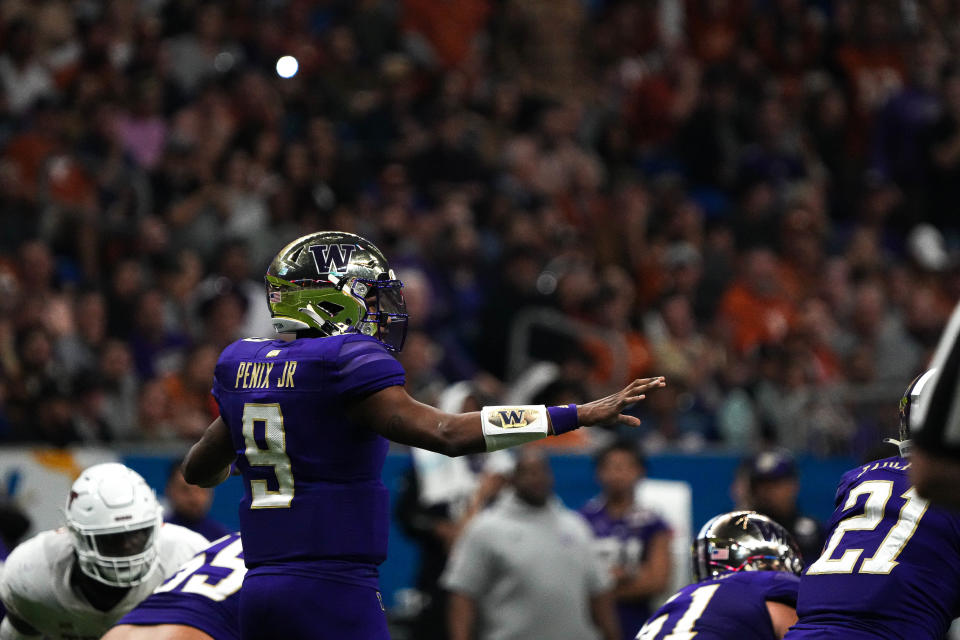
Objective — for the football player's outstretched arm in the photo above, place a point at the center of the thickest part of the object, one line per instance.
(207, 464)
(392, 413)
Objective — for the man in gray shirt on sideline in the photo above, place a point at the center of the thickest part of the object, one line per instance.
(524, 568)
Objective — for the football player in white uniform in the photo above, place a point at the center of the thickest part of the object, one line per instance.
(75, 583)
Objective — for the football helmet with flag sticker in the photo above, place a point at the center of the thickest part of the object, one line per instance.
(743, 541)
(114, 519)
(334, 283)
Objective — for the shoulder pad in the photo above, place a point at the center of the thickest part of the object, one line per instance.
(177, 545)
(243, 349)
(32, 570)
(894, 464)
(357, 343)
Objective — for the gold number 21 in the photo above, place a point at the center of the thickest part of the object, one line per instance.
(878, 492)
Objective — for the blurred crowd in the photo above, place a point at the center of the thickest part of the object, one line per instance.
(754, 198)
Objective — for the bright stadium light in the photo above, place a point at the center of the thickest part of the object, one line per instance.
(287, 67)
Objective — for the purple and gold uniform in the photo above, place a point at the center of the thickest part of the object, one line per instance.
(891, 566)
(624, 542)
(732, 606)
(314, 516)
(203, 594)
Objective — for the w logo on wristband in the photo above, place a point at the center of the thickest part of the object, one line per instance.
(510, 425)
(513, 418)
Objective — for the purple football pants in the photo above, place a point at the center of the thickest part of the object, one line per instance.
(298, 607)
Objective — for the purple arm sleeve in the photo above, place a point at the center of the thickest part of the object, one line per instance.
(563, 418)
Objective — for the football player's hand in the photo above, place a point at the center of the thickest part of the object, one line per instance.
(607, 410)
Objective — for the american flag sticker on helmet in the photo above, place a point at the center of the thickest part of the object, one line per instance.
(719, 554)
(275, 296)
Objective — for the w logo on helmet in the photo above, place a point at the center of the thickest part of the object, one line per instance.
(331, 257)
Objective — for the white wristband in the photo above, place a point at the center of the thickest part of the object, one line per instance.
(508, 426)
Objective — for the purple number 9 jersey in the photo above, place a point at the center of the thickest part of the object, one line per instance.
(313, 489)
(891, 565)
(203, 594)
(730, 607)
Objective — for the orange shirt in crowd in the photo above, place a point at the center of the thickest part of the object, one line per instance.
(186, 400)
(449, 26)
(754, 320)
(639, 359)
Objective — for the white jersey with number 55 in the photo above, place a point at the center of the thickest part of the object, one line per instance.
(35, 585)
(891, 565)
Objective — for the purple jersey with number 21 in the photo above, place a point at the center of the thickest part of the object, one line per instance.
(313, 495)
(891, 566)
(730, 607)
(203, 594)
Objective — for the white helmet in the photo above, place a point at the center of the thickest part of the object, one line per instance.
(115, 520)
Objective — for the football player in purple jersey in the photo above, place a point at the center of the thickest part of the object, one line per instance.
(891, 565)
(746, 567)
(307, 423)
(201, 601)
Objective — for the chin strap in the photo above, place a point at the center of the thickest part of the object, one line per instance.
(905, 446)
